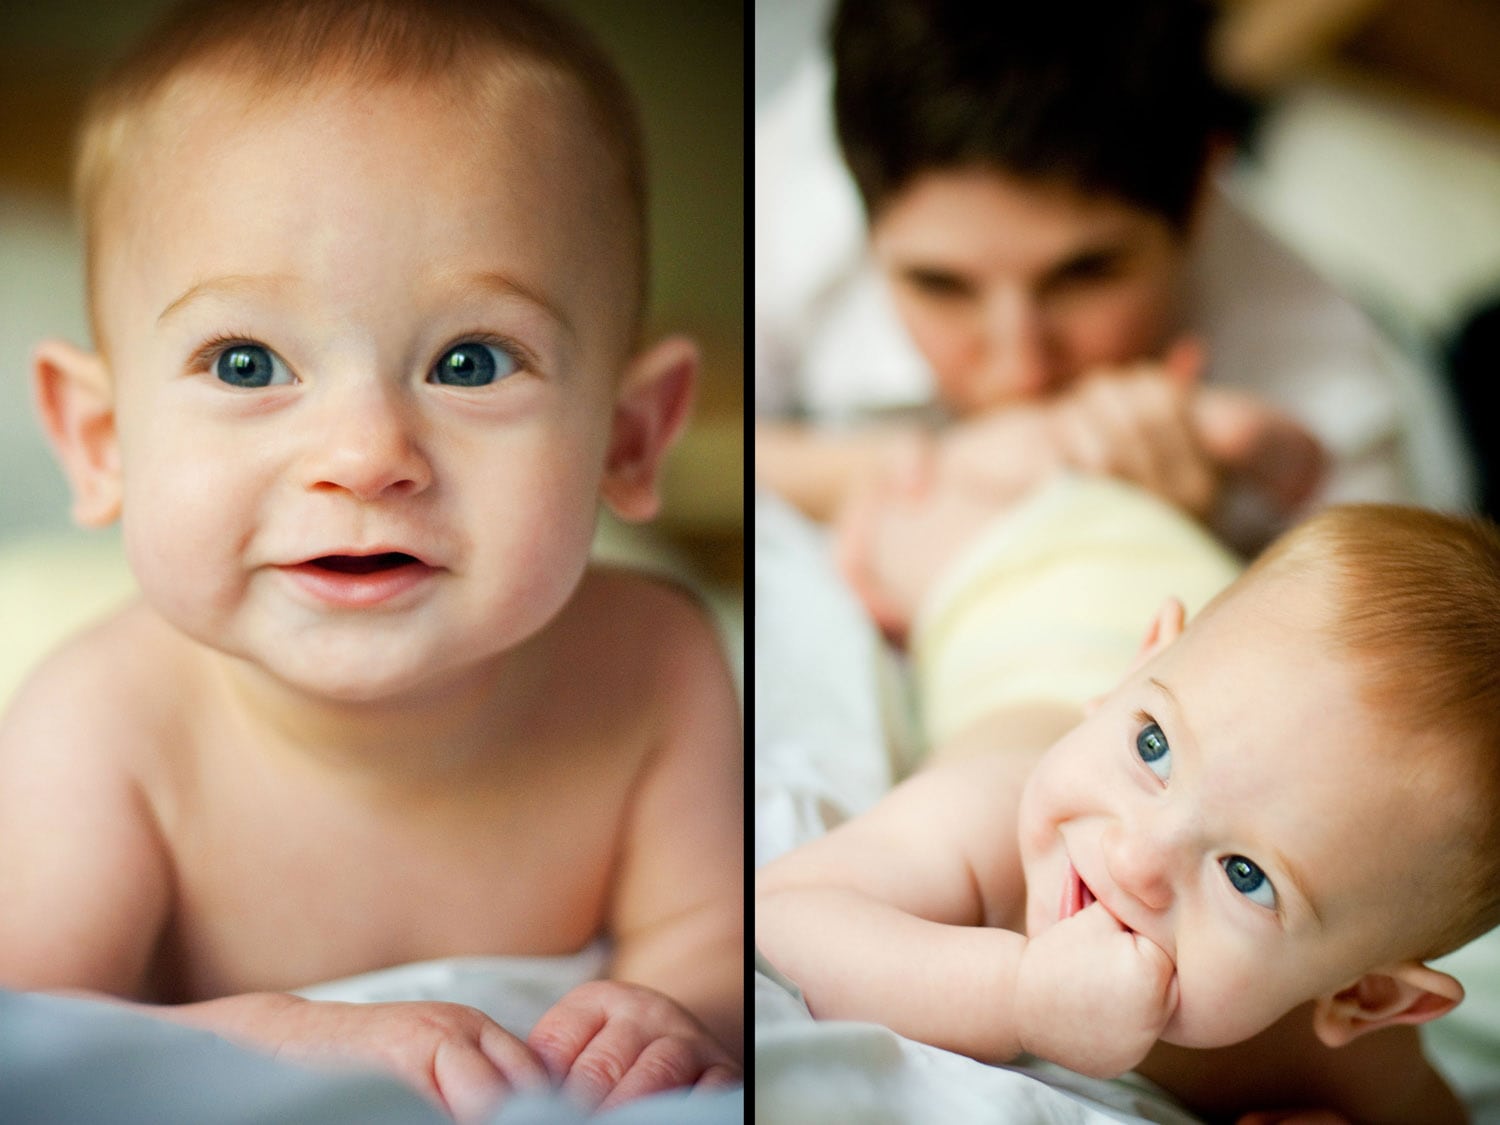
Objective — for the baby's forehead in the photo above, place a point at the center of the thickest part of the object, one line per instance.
(523, 155)
(1408, 824)
(516, 108)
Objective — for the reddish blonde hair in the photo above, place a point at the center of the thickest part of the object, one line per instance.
(1415, 600)
(474, 47)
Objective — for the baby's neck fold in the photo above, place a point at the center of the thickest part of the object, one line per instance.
(438, 733)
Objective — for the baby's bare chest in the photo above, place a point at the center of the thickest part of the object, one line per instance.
(280, 887)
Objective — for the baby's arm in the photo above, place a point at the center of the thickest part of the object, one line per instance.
(84, 874)
(816, 470)
(672, 1013)
(896, 916)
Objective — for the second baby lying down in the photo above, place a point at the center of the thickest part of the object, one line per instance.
(1230, 872)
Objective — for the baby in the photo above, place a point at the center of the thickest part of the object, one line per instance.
(366, 286)
(1227, 873)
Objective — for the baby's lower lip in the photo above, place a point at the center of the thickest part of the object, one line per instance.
(353, 582)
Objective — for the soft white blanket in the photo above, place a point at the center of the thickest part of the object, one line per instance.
(68, 1061)
(823, 751)
(512, 991)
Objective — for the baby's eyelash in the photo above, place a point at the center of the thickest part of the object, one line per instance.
(525, 360)
(210, 349)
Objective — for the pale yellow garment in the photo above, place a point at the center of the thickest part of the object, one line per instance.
(1051, 601)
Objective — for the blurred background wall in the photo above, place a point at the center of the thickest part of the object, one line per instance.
(684, 59)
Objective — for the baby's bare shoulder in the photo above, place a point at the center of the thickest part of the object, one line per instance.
(650, 628)
(72, 802)
(654, 655)
(624, 594)
(100, 700)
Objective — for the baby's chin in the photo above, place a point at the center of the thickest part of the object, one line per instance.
(1200, 1022)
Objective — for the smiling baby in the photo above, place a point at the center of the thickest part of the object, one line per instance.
(1230, 871)
(366, 287)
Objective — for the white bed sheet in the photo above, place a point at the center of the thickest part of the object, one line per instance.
(822, 753)
(67, 1061)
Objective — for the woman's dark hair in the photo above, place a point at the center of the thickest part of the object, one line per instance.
(1109, 98)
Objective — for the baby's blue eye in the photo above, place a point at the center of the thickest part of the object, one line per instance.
(1151, 745)
(1250, 881)
(251, 365)
(473, 365)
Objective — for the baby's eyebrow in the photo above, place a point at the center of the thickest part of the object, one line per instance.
(1298, 885)
(491, 280)
(506, 286)
(232, 283)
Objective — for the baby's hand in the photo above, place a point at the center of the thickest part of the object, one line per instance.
(454, 1055)
(1092, 995)
(608, 1041)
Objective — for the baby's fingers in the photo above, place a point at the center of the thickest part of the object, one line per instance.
(562, 1033)
(472, 1079)
(591, 1056)
(468, 1084)
(521, 1067)
(671, 1063)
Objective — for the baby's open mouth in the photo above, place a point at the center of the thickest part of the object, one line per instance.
(362, 564)
(1076, 894)
(360, 581)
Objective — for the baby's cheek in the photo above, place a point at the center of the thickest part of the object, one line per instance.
(1221, 1000)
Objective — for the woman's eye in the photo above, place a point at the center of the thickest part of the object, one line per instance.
(1092, 268)
(1250, 881)
(251, 365)
(473, 365)
(939, 284)
(1151, 745)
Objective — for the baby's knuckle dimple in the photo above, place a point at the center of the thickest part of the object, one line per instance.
(550, 1040)
(600, 1069)
(674, 1057)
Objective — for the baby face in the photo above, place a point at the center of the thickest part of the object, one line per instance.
(1236, 802)
(1012, 290)
(364, 352)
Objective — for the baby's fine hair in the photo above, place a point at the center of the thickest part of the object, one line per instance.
(475, 48)
(1107, 99)
(1416, 603)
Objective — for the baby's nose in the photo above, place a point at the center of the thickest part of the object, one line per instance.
(1141, 864)
(369, 447)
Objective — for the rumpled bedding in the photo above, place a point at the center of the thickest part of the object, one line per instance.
(830, 737)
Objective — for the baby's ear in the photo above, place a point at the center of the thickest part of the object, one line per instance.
(1165, 627)
(650, 408)
(1408, 992)
(75, 401)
